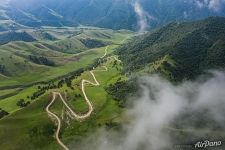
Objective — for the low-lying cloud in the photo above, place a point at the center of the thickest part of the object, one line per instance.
(166, 114)
(4, 2)
(214, 5)
(143, 16)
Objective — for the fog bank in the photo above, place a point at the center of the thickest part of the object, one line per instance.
(166, 115)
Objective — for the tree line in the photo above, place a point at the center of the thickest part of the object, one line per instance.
(52, 85)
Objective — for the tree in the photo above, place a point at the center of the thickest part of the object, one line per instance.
(22, 103)
(3, 113)
(2, 68)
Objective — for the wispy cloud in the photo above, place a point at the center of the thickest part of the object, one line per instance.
(3, 2)
(143, 16)
(214, 5)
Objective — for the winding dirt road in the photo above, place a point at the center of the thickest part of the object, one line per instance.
(105, 52)
(58, 122)
(75, 115)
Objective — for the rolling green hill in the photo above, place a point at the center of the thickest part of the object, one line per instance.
(43, 35)
(54, 51)
(178, 50)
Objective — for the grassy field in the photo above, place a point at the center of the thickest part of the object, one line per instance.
(9, 104)
(19, 129)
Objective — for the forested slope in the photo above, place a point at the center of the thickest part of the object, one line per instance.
(180, 50)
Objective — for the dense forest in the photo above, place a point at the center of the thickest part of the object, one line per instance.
(178, 51)
(122, 90)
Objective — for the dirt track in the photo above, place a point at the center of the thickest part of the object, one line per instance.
(74, 114)
(58, 121)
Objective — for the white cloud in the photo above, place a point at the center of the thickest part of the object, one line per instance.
(143, 16)
(185, 14)
(4, 2)
(214, 5)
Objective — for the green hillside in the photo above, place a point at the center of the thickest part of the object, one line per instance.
(41, 34)
(178, 50)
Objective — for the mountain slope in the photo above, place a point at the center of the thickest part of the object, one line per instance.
(114, 14)
(179, 50)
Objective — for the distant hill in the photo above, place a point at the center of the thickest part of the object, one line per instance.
(15, 36)
(27, 54)
(41, 35)
(114, 14)
(75, 44)
(178, 50)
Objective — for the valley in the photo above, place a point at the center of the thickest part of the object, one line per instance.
(112, 74)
